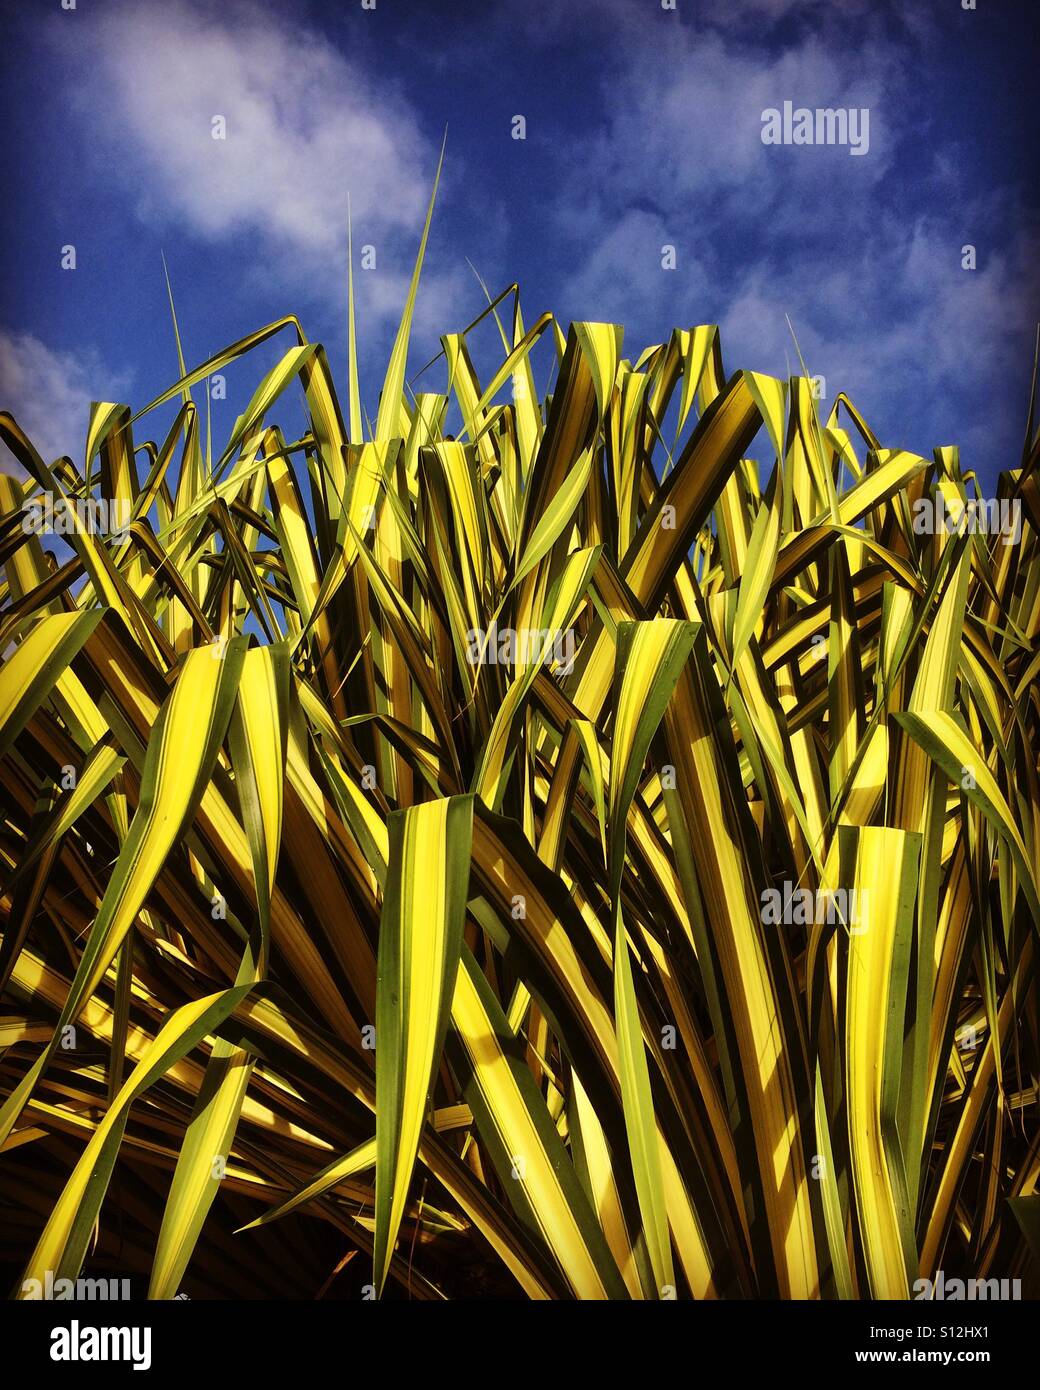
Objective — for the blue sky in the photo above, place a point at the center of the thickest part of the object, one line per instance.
(643, 129)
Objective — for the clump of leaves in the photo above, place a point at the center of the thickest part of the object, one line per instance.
(341, 919)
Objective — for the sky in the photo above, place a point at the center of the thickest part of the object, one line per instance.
(643, 131)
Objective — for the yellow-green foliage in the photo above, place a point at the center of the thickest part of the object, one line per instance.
(391, 818)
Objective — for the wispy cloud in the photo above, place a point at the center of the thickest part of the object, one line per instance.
(303, 125)
(49, 393)
(650, 137)
(908, 333)
(866, 262)
(630, 259)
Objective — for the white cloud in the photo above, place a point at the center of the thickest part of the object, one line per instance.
(687, 125)
(304, 126)
(49, 394)
(907, 332)
(870, 277)
(681, 161)
(682, 155)
(626, 264)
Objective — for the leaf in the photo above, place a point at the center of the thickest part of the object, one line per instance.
(420, 935)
